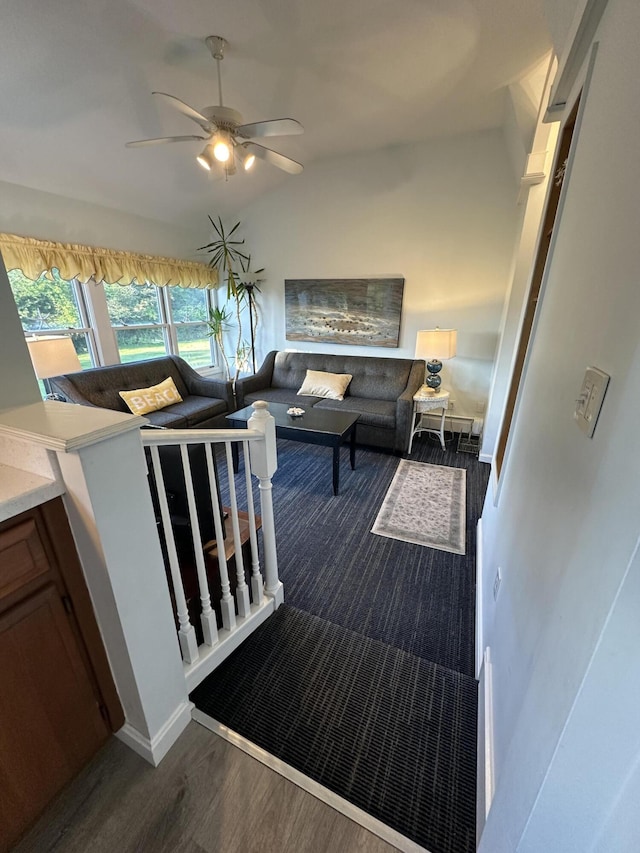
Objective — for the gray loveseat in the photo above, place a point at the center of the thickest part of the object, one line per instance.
(381, 391)
(204, 404)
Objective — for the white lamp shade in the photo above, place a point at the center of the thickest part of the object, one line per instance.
(436, 343)
(52, 356)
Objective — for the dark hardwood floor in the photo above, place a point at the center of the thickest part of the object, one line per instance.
(207, 796)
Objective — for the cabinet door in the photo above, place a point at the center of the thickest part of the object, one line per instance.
(50, 719)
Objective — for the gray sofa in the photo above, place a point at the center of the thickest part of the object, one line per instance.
(381, 391)
(204, 404)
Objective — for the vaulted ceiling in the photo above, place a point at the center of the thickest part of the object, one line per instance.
(77, 77)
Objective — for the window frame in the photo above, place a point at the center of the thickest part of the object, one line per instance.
(166, 323)
(174, 325)
(100, 332)
(84, 316)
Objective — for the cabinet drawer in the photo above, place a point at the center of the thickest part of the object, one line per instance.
(22, 556)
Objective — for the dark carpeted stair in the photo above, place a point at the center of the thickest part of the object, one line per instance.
(390, 732)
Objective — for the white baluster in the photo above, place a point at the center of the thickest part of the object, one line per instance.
(186, 631)
(264, 464)
(227, 605)
(208, 616)
(256, 577)
(242, 590)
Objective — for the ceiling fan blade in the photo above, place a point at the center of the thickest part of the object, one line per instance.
(138, 143)
(279, 160)
(274, 127)
(186, 110)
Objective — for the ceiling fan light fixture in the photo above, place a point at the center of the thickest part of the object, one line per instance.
(247, 159)
(205, 159)
(221, 147)
(228, 139)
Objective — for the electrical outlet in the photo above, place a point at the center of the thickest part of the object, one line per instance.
(480, 407)
(496, 584)
(452, 404)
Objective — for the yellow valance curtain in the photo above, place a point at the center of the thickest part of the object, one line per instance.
(85, 263)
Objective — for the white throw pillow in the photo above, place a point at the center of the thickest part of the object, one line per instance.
(317, 383)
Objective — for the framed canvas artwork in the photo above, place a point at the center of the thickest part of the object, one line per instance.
(356, 311)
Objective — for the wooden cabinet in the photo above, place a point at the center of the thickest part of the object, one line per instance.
(58, 704)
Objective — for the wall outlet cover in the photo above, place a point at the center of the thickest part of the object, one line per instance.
(590, 399)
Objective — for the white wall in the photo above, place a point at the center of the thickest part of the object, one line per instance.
(441, 214)
(567, 522)
(32, 213)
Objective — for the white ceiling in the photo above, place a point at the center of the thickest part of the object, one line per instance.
(77, 77)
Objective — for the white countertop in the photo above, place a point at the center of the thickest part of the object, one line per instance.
(21, 490)
(65, 426)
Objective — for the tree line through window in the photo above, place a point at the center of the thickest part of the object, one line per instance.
(146, 321)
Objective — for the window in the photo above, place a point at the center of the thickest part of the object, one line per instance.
(137, 321)
(188, 311)
(149, 321)
(54, 306)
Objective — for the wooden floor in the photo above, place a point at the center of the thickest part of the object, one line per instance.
(207, 796)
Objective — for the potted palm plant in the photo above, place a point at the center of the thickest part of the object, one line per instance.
(234, 271)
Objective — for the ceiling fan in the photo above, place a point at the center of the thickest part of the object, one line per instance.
(228, 140)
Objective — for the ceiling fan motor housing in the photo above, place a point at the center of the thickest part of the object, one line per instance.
(223, 117)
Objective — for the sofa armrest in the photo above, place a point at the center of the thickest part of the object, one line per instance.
(63, 386)
(259, 380)
(404, 406)
(200, 386)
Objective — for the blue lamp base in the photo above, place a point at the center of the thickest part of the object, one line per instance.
(433, 381)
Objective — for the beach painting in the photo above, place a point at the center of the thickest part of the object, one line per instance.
(360, 311)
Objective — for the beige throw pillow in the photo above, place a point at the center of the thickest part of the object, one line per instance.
(146, 400)
(317, 383)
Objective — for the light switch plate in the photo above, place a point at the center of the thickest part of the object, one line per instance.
(590, 398)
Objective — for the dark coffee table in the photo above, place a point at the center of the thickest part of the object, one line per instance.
(316, 426)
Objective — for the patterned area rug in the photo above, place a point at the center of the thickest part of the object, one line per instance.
(426, 505)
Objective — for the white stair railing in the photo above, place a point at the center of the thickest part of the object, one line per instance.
(251, 605)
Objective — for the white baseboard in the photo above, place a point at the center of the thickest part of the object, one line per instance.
(486, 457)
(154, 749)
(479, 599)
(375, 826)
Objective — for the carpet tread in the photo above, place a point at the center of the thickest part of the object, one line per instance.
(390, 732)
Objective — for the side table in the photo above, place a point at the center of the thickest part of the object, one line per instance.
(424, 400)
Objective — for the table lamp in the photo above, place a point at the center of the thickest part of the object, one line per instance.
(434, 345)
(52, 355)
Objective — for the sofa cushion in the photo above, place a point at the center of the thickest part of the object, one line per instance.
(279, 395)
(380, 413)
(198, 409)
(101, 385)
(381, 378)
(166, 418)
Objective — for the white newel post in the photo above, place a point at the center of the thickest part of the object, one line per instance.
(264, 464)
(102, 467)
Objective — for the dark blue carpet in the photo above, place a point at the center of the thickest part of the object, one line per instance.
(410, 597)
(376, 725)
(363, 680)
